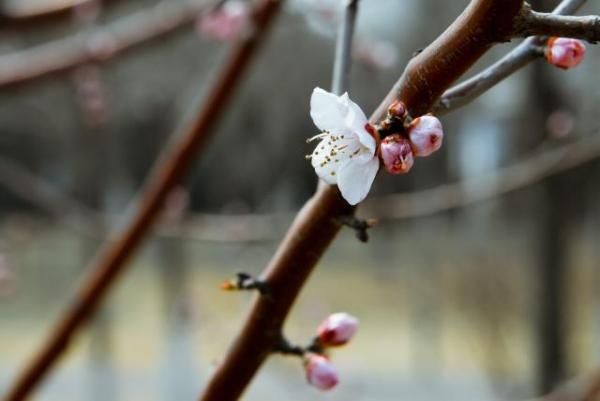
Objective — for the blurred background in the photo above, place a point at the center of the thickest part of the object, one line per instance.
(490, 299)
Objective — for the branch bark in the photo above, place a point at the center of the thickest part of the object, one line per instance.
(170, 167)
(428, 75)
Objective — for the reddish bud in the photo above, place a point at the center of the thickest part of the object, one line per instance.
(397, 109)
(426, 135)
(320, 372)
(396, 154)
(565, 53)
(337, 329)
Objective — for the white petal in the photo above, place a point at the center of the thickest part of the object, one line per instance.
(328, 111)
(356, 122)
(355, 179)
(325, 167)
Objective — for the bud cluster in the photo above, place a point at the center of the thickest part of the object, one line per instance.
(336, 330)
(408, 138)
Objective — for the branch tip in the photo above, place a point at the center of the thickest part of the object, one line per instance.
(245, 282)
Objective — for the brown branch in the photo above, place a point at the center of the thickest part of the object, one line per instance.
(482, 24)
(528, 51)
(579, 27)
(100, 44)
(111, 260)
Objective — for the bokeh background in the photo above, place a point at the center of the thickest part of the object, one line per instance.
(488, 300)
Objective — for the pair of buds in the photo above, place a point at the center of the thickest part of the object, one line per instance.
(336, 330)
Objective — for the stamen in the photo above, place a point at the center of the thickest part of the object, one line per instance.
(319, 136)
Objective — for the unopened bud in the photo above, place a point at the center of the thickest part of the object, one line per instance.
(397, 109)
(337, 329)
(565, 53)
(426, 135)
(320, 372)
(396, 154)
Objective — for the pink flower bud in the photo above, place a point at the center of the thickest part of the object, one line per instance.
(426, 135)
(337, 329)
(565, 53)
(320, 372)
(396, 154)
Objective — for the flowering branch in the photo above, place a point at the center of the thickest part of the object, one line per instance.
(522, 55)
(427, 76)
(579, 27)
(100, 44)
(170, 167)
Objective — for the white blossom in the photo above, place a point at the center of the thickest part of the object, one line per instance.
(345, 154)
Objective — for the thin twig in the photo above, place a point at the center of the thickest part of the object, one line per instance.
(315, 227)
(168, 171)
(522, 55)
(101, 44)
(579, 27)
(343, 49)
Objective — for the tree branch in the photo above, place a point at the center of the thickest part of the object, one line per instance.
(579, 27)
(170, 167)
(481, 25)
(528, 51)
(101, 44)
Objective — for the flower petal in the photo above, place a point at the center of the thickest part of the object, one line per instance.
(325, 167)
(355, 179)
(355, 122)
(328, 111)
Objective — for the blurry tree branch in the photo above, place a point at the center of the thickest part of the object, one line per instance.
(48, 198)
(426, 77)
(18, 13)
(521, 56)
(516, 176)
(100, 44)
(168, 171)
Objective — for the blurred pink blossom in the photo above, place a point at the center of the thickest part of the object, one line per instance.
(226, 23)
(380, 54)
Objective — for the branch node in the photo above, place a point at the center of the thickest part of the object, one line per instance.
(360, 226)
(245, 282)
(284, 347)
